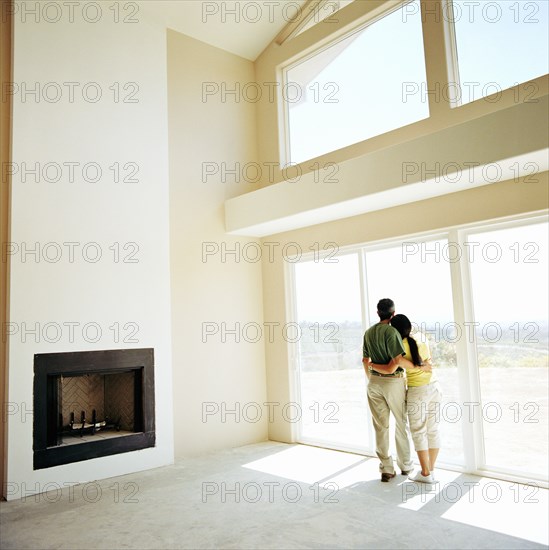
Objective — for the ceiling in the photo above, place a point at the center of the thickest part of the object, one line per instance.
(243, 27)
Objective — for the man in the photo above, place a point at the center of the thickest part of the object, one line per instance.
(387, 392)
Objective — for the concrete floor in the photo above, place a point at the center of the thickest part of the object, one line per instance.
(272, 495)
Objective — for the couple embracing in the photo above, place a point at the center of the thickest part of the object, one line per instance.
(401, 382)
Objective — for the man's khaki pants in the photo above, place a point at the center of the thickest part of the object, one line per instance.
(388, 395)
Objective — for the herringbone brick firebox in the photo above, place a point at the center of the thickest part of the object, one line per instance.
(110, 395)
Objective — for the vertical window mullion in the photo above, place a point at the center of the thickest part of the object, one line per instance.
(468, 375)
(437, 61)
(452, 64)
(366, 321)
(283, 120)
(364, 289)
(293, 351)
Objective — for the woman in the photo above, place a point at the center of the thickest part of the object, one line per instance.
(423, 398)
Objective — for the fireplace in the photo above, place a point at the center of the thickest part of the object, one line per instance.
(91, 404)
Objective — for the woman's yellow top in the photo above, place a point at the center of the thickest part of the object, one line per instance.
(415, 376)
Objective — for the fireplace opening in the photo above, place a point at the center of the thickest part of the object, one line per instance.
(97, 406)
(92, 404)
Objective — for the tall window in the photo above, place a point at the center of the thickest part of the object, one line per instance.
(491, 355)
(509, 273)
(413, 275)
(331, 376)
(500, 43)
(352, 90)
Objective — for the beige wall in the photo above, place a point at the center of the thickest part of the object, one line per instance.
(213, 374)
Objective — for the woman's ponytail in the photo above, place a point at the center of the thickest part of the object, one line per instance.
(404, 327)
(416, 358)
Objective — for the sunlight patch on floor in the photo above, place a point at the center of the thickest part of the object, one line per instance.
(514, 509)
(511, 508)
(416, 495)
(305, 464)
(359, 473)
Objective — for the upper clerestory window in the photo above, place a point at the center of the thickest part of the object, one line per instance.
(351, 90)
(497, 44)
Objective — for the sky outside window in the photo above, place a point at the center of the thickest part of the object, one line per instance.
(500, 44)
(353, 90)
(357, 88)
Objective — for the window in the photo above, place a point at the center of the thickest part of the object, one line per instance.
(480, 296)
(413, 275)
(500, 43)
(331, 377)
(352, 90)
(509, 273)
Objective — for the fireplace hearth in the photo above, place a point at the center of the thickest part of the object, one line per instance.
(91, 404)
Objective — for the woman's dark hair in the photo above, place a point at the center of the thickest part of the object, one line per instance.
(403, 325)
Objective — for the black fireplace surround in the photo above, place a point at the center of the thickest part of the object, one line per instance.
(50, 369)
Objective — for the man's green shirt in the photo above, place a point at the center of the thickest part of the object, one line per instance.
(382, 342)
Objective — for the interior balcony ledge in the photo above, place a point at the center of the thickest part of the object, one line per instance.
(504, 145)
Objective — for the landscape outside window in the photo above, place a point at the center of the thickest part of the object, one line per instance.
(508, 333)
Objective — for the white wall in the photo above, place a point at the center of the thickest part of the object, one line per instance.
(212, 372)
(105, 292)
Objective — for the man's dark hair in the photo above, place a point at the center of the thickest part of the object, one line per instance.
(385, 308)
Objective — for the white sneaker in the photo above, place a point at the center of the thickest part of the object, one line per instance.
(421, 478)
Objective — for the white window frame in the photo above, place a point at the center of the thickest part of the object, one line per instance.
(452, 61)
